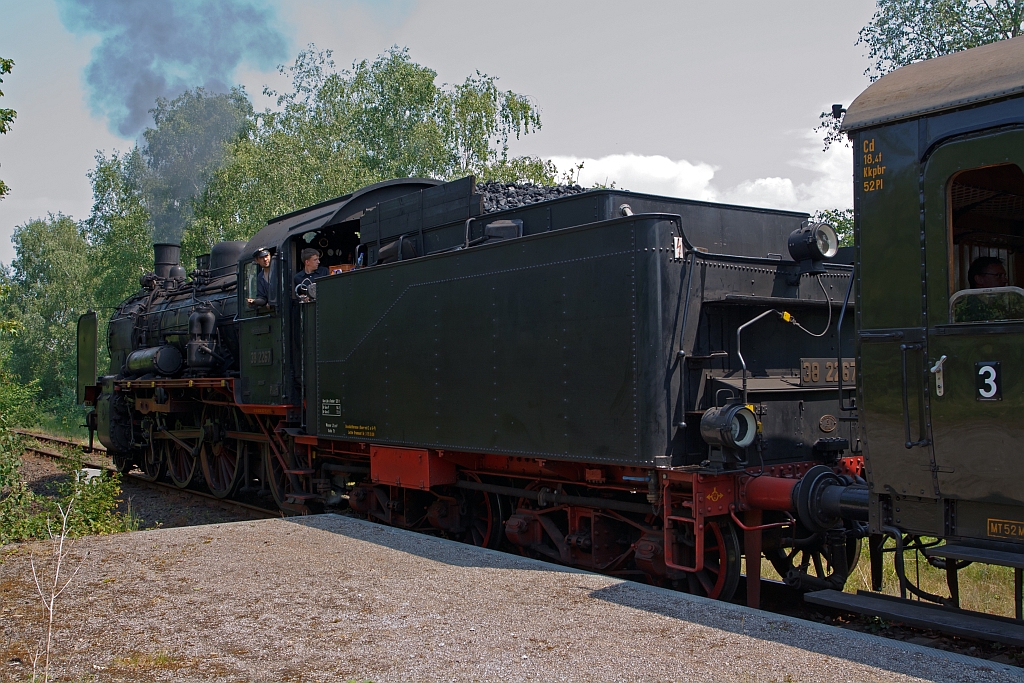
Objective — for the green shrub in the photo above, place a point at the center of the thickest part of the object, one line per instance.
(25, 515)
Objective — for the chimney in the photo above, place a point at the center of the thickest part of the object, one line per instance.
(165, 257)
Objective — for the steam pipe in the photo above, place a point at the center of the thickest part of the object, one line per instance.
(770, 493)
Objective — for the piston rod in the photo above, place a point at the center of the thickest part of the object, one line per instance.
(549, 497)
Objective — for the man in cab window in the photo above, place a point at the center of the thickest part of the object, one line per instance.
(311, 268)
(262, 259)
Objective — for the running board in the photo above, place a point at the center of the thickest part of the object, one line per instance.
(972, 554)
(924, 615)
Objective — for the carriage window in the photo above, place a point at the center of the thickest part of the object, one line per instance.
(986, 211)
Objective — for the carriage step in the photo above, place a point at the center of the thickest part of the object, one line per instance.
(298, 497)
(983, 555)
(924, 615)
(300, 471)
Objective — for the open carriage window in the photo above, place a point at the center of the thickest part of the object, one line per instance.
(986, 211)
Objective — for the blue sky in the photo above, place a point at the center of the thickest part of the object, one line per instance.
(710, 100)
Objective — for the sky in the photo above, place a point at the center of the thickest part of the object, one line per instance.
(703, 100)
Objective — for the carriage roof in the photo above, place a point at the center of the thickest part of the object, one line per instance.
(989, 72)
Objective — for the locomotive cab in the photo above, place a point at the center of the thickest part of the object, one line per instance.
(272, 339)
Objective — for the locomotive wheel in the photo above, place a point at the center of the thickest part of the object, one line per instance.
(721, 574)
(812, 558)
(154, 459)
(486, 513)
(182, 466)
(221, 457)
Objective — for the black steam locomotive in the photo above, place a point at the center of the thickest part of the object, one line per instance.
(616, 381)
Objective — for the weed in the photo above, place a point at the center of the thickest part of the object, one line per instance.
(51, 589)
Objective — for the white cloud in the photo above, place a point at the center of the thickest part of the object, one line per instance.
(651, 174)
(830, 186)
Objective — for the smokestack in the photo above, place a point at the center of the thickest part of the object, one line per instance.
(165, 257)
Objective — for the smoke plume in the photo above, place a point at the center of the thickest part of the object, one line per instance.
(186, 145)
(158, 49)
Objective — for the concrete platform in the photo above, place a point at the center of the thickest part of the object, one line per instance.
(331, 598)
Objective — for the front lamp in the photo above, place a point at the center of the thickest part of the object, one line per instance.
(811, 244)
(732, 426)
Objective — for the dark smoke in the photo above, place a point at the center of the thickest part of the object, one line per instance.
(187, 144)
(152, 49)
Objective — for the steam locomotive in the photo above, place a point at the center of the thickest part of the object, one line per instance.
(645, 386)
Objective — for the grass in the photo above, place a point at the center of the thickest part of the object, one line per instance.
(149, 660)
(68, 427)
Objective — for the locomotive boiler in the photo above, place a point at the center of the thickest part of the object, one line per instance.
(175, 326)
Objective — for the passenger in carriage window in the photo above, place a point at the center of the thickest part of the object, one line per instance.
(987, 271)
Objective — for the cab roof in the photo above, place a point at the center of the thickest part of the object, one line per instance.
(332, 212)
(989, 72)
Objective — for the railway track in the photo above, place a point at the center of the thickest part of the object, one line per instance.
(256, 511)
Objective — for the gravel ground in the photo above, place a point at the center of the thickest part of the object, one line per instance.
(332, 598)
(155, 508)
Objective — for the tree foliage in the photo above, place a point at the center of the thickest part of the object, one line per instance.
(49, 284)
(7, 116)
(118, 228)
(905, 31)
(189, 141)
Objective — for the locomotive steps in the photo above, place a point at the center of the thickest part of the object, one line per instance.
(333, 598)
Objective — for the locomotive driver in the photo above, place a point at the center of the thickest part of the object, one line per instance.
(262, 258)
(311, 268)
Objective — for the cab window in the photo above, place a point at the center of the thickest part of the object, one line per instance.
(986, 223)
(250, 280)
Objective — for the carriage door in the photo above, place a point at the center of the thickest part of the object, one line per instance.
(974, 215)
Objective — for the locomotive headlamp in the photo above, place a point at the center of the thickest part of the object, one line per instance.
(811, 244)
(731, 426)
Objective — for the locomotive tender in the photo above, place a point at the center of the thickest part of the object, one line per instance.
(645, 386)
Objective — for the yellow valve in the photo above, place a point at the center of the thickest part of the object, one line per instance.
(750, 407)
(787, 317)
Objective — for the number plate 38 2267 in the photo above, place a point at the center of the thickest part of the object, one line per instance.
(824, 372)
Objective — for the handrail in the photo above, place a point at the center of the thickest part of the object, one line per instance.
(839, 351)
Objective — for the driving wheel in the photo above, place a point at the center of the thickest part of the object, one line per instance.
(221, 456)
